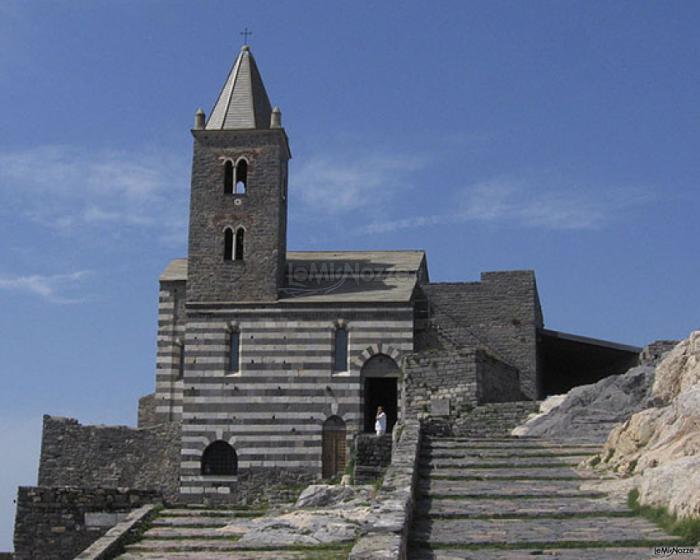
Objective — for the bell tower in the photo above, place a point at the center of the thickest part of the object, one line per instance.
(238, 206)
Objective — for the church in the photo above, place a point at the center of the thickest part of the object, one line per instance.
(273, 360)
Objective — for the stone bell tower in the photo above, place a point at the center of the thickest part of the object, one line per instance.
(238, 206)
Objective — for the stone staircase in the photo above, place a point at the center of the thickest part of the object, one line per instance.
(194, 533)
(502, 498)
(485, 420)
(493, 419)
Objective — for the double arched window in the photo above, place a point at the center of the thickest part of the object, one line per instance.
(235, 177)
(234, 244)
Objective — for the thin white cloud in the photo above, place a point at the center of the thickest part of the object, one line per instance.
(70, 189)
(343, 183)
(527, 204)
(55, 288)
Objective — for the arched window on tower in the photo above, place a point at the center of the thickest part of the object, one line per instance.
(219, 458)
(340, 350)
(228, 244)
(228, 177)
(240, 240)
(241, 177)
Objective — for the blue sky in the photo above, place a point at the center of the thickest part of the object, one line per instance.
(557, 136)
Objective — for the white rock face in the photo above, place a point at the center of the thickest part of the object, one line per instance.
(661, 445)
(679, 370)
(674, 485)
(323, 514)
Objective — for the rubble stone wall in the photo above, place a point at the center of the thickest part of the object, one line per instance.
(59, 523)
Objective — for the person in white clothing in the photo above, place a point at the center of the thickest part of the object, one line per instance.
(380, 424)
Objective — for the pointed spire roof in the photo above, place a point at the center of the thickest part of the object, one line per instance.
(243, 101)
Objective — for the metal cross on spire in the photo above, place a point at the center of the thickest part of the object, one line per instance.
(246, 34)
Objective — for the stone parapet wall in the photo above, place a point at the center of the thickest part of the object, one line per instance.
(110, 456)
(59, 523)
(113, 542)
(372, 456)
(372, 450)
(397, 495)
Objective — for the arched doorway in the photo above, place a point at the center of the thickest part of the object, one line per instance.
(333, 447)
(219, 458)
(380, 377)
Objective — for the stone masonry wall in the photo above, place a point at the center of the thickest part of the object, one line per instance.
(58, 523)
(372, 450)
(372, 456)
(109, 456)
(254, 486)
(147, 415)
(448, 375)
(496, 381)
(444, 382)
(500, 314)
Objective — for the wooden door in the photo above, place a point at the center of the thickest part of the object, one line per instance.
(333, 447)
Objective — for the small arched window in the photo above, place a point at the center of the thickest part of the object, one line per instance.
(241, 177)
(340, 350)
(240, 240)
(219, 458)
(235, 351)
(228, 177)
(228, 244)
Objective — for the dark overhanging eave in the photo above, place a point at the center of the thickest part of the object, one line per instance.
(591, 341)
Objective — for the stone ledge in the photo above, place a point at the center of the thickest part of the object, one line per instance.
(113, 540)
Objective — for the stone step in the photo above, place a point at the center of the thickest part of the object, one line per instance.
(614, 553)
(429, 438)
(497, 488)
(182, 533)
(527, 507)
(190, 521)
(508, 444)
(457, 462)
(496, 452)
(189, 511)
(183, 545)
(550, 531)
(238, 555)
(506, 472)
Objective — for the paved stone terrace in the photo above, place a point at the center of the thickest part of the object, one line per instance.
(192, 533)
(503, 498)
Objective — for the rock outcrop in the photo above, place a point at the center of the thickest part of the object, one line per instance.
(589, 412)
(661, 444)
(649, 419)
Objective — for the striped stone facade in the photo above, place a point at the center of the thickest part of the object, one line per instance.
(273, 409)
(171, 339)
